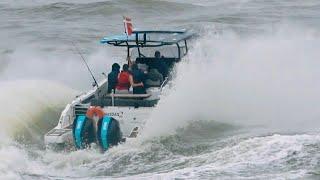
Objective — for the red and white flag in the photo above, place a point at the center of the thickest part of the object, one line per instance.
(127, 25)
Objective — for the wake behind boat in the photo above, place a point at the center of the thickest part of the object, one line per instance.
(107, 119)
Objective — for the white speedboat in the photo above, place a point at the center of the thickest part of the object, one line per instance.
(116, 117)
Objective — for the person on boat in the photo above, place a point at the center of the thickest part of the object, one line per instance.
(139, 79)
(125, 81)
(159, 64)
(154, 78)
(113, 77)
(142, 65)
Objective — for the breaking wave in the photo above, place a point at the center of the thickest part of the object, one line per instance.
(244, 104)
(30, 107)
(199, 129)
(267, 80)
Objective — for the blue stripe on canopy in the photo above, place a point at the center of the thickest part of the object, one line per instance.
(120, 38)
(148, 38)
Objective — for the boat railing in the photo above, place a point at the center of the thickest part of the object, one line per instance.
(166, 80)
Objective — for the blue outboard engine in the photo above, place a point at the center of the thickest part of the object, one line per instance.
(108, 133)
(83, 132)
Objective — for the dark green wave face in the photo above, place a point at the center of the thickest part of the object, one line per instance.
(32, 132)
(243, 105)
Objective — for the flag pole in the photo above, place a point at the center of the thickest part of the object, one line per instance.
(124, 26)
(125, 30)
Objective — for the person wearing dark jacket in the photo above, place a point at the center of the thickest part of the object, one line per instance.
(154, 78)
(160, 65)
(138, 78)
(113, 77)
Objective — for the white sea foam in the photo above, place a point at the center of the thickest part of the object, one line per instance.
(266, 79)
(269, 80)
(262, 157)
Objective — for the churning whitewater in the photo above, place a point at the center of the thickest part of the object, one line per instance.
(243, 104)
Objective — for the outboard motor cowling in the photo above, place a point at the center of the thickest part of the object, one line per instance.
(108, 133)
(83, 132)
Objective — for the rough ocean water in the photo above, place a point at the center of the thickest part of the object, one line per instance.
(244, 103)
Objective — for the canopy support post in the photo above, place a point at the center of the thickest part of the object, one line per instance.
(186, 44)
(179, 51)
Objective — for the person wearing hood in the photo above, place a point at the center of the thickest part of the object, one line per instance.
(113, 77)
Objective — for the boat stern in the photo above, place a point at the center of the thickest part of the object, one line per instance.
(60, 137)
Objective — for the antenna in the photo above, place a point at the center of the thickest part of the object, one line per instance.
(78, 51)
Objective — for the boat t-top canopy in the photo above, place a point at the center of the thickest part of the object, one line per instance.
(140, 39)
